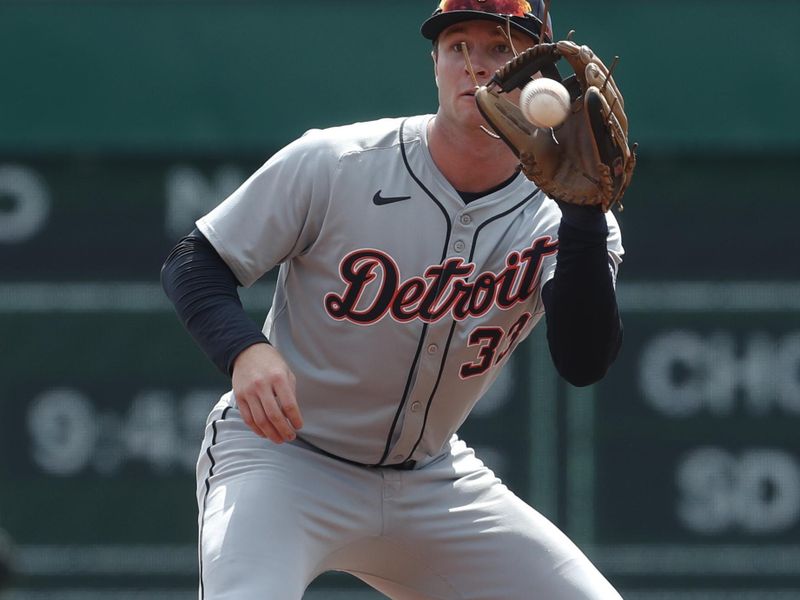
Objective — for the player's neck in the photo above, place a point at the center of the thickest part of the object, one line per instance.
(470, 160)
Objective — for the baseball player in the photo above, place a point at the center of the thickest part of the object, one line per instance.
(414, 257)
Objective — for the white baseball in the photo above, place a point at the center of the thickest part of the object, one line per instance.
(545, 102)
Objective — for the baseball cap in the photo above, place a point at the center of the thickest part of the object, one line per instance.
(523, 15)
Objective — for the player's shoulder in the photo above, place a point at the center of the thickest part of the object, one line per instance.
(363, 136)
(322, 150)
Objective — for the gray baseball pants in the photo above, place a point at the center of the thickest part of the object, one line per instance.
(274, 517)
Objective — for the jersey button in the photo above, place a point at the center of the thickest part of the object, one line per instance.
(459, 246)
(433, 349)
(415, 406)
(466, 219)
(398, 457)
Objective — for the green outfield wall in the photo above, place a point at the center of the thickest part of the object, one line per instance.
(210, 75)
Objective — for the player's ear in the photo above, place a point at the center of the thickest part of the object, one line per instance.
(435, 57)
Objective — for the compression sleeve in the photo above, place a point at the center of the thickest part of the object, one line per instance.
(584, 331)
(202, 289)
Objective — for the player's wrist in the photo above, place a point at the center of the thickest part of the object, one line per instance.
(585, 218)
(246, 347)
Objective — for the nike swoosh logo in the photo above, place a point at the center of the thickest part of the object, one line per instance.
(379, 200)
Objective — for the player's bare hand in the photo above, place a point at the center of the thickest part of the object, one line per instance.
(264, 387)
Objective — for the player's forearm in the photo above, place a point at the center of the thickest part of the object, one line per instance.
(202, 289)
(584, 330)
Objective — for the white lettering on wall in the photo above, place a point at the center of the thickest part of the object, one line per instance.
(190, 194)
(29, 206)
(684, 373)
(757, 491)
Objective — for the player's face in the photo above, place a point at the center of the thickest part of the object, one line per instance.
(488, 50)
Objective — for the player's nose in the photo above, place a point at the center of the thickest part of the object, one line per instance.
(478, 70)
(477, 64)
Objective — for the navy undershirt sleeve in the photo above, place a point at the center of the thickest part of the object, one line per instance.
(202, 288)
(584, 331)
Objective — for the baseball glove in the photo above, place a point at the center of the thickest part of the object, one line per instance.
(586, 160)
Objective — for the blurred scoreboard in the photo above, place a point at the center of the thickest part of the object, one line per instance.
(691, 443)
(679, 474)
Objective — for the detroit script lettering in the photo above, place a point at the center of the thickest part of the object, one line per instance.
(443, 289)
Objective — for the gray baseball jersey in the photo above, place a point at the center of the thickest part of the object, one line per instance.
(396, 303)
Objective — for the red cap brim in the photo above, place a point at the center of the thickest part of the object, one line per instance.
(433, 26)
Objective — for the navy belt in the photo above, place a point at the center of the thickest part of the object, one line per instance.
(403, 466)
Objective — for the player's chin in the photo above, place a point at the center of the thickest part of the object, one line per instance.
(469, 112)
(477, 121)
(463, 113)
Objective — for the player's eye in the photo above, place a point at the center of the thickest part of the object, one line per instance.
(502, 48)
(456, 47)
